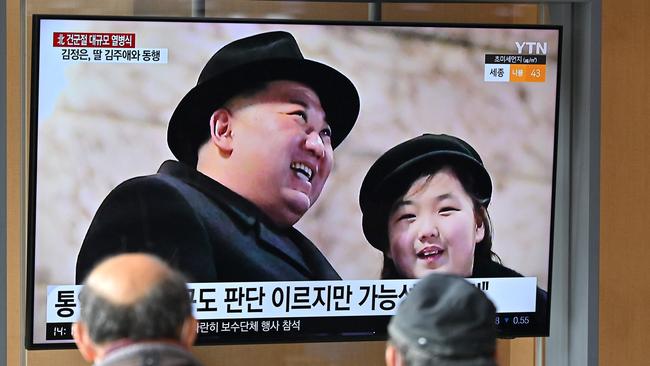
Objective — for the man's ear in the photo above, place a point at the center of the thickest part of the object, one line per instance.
(393, 358)
(85, 345)
(221, 130)
(188, 332)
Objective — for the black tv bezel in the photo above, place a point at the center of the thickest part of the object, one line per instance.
(540, 331)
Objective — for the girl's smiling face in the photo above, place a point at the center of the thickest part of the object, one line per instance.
(433, 227)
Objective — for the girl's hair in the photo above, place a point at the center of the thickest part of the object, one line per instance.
(483, 253)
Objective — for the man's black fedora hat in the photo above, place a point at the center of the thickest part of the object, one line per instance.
(394, 172)
(251, 61)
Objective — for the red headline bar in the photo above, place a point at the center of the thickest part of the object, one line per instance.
(99, 40)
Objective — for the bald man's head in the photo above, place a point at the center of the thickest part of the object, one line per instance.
(134, 296)
(124, 279)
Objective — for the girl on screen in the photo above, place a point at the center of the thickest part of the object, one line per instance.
(425, 206)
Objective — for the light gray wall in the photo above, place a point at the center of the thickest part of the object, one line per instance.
(574, 305)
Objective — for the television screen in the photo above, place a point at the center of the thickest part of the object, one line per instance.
(104, 90)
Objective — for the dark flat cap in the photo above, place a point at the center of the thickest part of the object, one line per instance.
(391, 175)
(447, 319)
(248, 62)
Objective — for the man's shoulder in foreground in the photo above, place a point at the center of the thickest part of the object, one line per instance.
(150, 354)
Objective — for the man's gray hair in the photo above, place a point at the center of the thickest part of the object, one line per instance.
(158, 314)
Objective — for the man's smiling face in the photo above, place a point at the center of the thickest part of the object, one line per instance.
(282, 149)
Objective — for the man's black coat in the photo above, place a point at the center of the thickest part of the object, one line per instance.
(201, 228)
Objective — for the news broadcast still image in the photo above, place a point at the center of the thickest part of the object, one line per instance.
(105, 88)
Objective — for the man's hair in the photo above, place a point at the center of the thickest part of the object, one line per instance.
(158, 314)
(247, 91)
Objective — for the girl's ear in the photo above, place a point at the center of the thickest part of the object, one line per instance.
(221, 130)
(479, 232)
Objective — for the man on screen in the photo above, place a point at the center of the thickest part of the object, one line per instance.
(444, 321)
(254, 139)
(135, 310)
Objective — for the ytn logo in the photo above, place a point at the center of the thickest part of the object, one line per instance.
(532, 48)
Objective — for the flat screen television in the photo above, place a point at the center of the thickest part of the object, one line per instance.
(103, 91)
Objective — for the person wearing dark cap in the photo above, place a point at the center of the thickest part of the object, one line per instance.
(425, 206)
(444, 321)
(254, 139)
